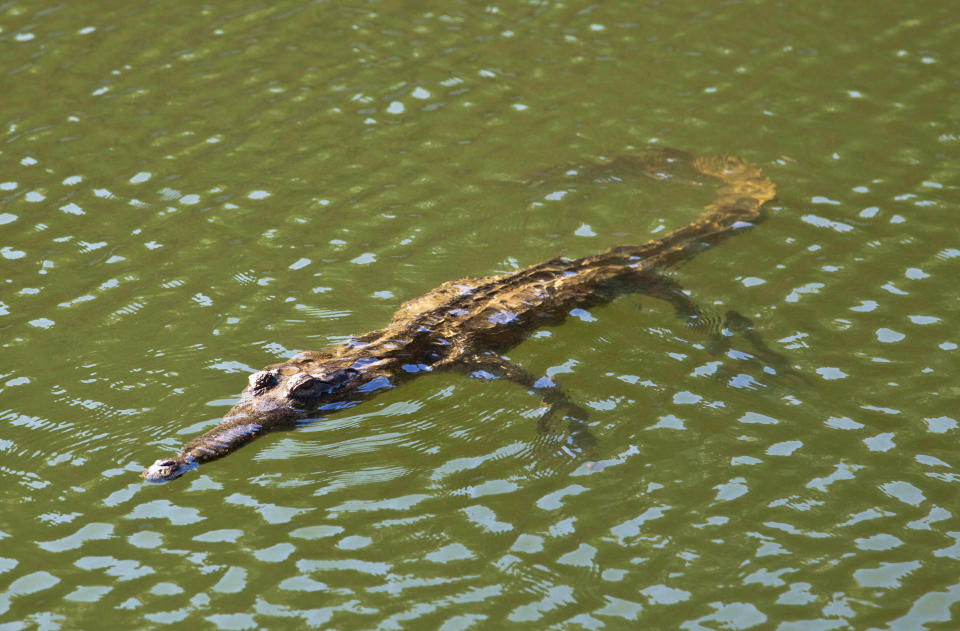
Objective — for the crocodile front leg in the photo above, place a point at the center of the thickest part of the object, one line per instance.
(491, 365)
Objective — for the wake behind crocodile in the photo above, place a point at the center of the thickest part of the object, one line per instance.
(465, 325)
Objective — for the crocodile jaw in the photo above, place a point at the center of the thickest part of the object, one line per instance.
(167, 469)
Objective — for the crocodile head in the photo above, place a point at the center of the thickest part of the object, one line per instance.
(275, 398)
(291, 391)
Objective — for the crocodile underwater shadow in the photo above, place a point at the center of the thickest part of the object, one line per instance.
(465, 324)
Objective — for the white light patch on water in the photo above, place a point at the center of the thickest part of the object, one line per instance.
(754, 417)
(880, 442)
(220, 536)
(583, 556)
(365, 259)
(821, 222)
(889, 336)
(354, 542)
(818, 199)
(632, 527)
(583, 315)
(486, 519)
(299, 263)
(669, 422)
(451, 552)
(865, 306)
(784, 448)
(904, 491)
(316, 532)
(731, 490)
(90, 532)
(940, 424)
(585, 231)
(842, 422)
(886, 575)
(164, 509)
(88, 593)
(686, 398)
(830, 373)
(840, 472)
(881, 542)
(809, 288)
(32, 583)
(553, 501)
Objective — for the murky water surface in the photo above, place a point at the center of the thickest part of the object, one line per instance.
(191, 191)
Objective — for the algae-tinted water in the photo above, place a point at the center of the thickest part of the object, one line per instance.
(189, 192)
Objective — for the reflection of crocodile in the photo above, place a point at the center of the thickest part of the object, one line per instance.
(464, 324)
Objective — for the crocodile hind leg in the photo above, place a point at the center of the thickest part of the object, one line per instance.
(720, 332)
(491, 365)
(770, 361)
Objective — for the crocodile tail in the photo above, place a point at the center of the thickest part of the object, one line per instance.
(743, 189)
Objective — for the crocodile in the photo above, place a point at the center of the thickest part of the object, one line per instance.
(465, 325)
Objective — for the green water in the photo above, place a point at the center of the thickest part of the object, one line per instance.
(189, 192)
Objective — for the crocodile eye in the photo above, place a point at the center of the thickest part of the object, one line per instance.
(304, 385)
(262, 379)
(340, 377)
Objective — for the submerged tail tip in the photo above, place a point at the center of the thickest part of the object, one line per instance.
(725, 167)
(742, 180)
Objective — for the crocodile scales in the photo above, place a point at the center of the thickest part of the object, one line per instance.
(465, 324)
